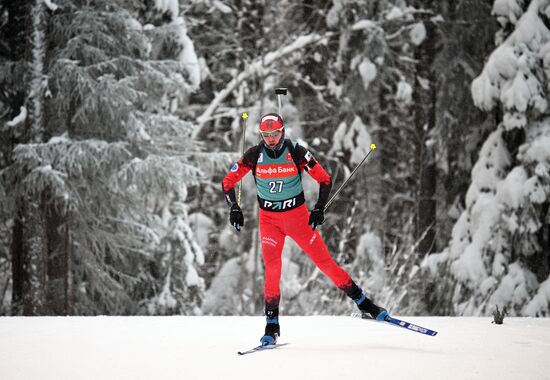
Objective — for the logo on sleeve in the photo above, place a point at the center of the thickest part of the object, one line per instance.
(308, 156)
(235, 168)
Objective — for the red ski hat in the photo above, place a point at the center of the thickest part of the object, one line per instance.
(271, 122)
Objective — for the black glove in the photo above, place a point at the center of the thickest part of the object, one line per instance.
(316, 217)
(236, 217)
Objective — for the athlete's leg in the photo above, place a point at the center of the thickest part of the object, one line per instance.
(272, 240)
(313, 245)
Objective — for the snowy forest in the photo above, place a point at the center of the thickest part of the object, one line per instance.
(120, 118)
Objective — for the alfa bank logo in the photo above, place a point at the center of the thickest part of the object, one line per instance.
(276, 171)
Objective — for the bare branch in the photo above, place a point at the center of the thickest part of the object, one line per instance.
(256, 67)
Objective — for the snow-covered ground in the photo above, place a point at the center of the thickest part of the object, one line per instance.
(320, 348)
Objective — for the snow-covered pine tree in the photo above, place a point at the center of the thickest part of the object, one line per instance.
(367, 77)
(500, 244)
(388, 35)
(179, 287)
(116, 162)
(463, 36)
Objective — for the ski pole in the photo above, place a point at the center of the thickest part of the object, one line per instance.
(244, 117)
(372, 148)
(280, 91)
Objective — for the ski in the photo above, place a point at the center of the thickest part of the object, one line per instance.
(262, 348)
(399, 323)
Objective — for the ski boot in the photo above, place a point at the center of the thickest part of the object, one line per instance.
(272, 328)
(272, 333)
(370, 310)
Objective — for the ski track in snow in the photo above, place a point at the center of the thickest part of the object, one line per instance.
(321, 347)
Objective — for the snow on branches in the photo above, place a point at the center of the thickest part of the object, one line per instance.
(496, 243)
(258, 67)
(513, 75)
(120, 162)
(353, 139)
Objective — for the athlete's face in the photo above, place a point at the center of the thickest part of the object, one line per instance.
(272, 138)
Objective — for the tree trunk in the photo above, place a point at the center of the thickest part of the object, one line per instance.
(33, 260)
(28, 253)
(69, 291)
(424, 117)
(17, 273)
(28, 247)
(56, 262)
(18, 15)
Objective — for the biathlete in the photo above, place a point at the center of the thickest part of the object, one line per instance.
(277, 164)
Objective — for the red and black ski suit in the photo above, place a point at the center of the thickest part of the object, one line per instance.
(288, 217)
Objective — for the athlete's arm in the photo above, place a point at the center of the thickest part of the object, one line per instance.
(237, 172)
(309, 164)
